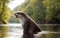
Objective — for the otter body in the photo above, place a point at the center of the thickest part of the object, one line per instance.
(29, 26)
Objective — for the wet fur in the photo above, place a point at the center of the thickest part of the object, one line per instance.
(30, 27)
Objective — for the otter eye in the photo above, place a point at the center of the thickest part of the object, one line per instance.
(18, 13)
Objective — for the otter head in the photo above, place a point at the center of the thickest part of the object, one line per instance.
(20, 15)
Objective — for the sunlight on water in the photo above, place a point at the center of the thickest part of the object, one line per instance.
(15, 31)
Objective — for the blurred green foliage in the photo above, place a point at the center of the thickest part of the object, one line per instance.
(52, 9)
(42, 11)
(14, 20)
(4, 11)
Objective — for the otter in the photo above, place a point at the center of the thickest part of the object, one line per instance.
(30, 27)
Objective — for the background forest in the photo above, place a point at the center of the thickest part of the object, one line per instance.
(42, 11)
(4, 11)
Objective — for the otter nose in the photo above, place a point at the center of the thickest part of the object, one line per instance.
(15, 15)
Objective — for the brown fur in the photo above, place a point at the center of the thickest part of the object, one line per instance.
(30, 27)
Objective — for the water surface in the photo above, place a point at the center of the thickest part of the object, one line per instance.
(15, 31)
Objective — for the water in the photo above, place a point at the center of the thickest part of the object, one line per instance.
(15, 31)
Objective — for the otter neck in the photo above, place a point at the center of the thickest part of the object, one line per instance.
(22, 20)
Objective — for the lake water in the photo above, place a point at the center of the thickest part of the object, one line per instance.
(15, 31)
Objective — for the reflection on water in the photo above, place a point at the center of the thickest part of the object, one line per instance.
(48, 31)
(15, 31)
